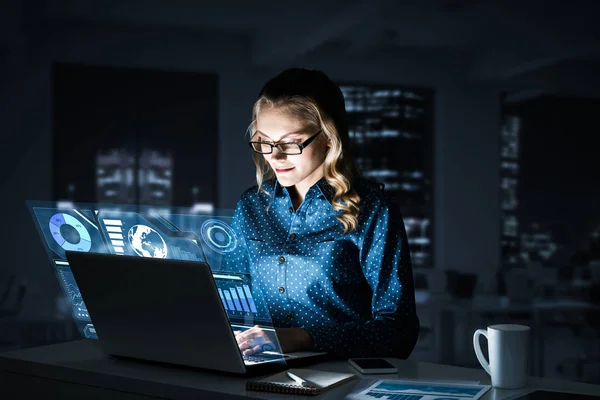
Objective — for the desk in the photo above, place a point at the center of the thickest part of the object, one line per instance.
(80, 369)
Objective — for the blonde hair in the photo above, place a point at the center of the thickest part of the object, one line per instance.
(340, 171)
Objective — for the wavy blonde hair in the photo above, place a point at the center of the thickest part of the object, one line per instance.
(340, 171)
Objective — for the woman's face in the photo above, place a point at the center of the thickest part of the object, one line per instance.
(300, 170)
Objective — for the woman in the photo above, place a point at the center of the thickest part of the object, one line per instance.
(326, 248)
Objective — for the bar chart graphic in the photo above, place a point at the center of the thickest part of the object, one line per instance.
(181, 254)
(236, 295)
(114, 228)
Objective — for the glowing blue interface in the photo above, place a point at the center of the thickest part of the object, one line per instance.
(69, 230)
(145, 232)
(243, 306)
(69, 285)
(214, 233)
(245, 309)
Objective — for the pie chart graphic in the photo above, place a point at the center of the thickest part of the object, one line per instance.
(69, 233)
(218, 236)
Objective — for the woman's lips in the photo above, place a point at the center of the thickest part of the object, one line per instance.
(283, 170)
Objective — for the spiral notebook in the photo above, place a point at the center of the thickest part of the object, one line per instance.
(281, 383)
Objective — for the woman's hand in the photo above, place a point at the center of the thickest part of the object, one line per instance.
(255, 340)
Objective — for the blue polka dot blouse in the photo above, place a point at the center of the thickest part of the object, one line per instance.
(352, 292)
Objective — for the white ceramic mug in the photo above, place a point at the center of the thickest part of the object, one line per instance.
(508, 348)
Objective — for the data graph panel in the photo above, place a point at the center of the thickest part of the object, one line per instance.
(67, 281)
(238, 298)
(68, 230)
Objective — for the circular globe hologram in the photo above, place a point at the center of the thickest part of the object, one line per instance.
(146, 242)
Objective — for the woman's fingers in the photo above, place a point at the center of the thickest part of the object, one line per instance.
(243, 346)
(253, 350)
(255, 340)
(251, 340)
(246, 344)
(254, 331)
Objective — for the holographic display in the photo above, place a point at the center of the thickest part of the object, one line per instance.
(146, 242)
(239, 300)
(72, 291)
(70, 229)
(246, 308)
(64, 224)
(89, 332)
(144, 231)
(136, 234)
(218, 236)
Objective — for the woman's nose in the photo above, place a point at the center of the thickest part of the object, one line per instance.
(277, 154)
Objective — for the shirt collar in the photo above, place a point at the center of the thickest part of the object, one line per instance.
(274, 188)
(326, 189)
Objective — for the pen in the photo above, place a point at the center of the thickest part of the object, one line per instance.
(300, 381)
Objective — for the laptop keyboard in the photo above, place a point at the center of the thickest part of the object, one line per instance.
(263, 357)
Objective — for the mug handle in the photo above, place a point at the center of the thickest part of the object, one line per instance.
(478, 352)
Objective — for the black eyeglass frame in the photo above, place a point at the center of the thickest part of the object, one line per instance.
(302, 145)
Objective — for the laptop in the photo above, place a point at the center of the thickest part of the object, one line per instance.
(176, 312)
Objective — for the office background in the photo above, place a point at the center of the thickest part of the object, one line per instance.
(496, 100)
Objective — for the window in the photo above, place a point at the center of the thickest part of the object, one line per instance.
(548, 180)
(391, 130)
(134, 136)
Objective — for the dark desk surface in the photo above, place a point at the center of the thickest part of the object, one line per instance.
(83, 367)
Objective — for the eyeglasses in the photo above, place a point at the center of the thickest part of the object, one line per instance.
(289, 148)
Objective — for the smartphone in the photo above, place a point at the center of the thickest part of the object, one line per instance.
(372, 366)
